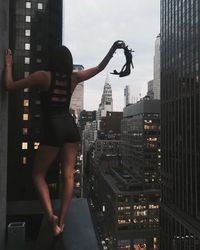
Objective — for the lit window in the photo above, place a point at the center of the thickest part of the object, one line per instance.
(25, 117)
(26, 73)
(24, 145)
(25, 131)
(26, 103)
(24, 160)
(40, 6)
(27, 32)
(28, 5)
(26, 90)
(27, 46)
(36, 145)
(28, 19)
(27, 60)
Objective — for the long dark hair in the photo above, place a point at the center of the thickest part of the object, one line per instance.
(60, 60)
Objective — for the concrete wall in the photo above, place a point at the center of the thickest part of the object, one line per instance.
(4, 28)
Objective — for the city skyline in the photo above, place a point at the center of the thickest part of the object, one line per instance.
(100, 21)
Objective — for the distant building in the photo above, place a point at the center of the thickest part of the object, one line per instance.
(141, 157)
(127, 97)
(106, 101)
(35, 27)
(85, 117)
(156, 73)
(77, 99)
(150, 91)
(131, 217)
(110, 126)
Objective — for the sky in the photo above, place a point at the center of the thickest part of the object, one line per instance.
(90, 27)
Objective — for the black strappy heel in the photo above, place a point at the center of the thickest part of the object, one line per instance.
(126, 69)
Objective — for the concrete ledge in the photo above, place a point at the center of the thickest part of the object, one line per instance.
(78, 234)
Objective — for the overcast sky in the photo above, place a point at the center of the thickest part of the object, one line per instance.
(89, 29)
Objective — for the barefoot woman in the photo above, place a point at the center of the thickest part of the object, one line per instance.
(60, 131)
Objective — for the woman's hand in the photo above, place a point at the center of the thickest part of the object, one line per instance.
(8, 58)
(119, 44)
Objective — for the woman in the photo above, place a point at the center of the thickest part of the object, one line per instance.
(60, 131)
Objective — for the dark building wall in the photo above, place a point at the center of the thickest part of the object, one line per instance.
(4, 27)
(180, 94)
(35, 27)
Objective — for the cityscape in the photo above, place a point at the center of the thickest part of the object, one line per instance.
(136, 175)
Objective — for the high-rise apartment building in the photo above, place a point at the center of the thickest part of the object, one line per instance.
(35, 27)
(180, 94)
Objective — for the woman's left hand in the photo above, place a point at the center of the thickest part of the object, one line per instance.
(119, 44)
(8, 58)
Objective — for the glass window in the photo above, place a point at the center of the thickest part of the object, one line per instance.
(36, 145)
(27, 60)
(26, 73)
(28, 5)
(24, 145)
(25, 131)
(40, 6)
(39, 47)
(26, 90)
(24, 160)
(27, 32)
(28, 19)
(26, 103)
(25, 117)
(27, 46)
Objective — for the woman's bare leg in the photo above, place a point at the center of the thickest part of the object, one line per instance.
(69, 160)
(44, 157)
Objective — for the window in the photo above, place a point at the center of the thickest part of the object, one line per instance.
(27, 60)
(27, 46)
(24, 160)
(40, 6)
(26, 103)
(28, 19)
(39, 47)
(25, 131)
(36, 145)
(25, 117)
(27, 32)
(26, 90)
(24, 145)
(26, 73)
(38, 60)
(28, 5)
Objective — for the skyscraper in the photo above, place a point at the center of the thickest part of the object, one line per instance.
(180, 71)
(156, 71)
(35, 27)
(78, 96)
(127, 95)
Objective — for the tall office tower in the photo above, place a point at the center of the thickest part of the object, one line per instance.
(180, 74)
(106, 100)
(127, 95)
(76, 104)
(156, 71)
(140, 150)
(150, 92)
(35, 27)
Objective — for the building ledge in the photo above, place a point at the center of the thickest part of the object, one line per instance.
(79, 231)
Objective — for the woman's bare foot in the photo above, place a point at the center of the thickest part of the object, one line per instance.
(54, 222)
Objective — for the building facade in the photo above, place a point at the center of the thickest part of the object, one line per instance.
(141, 158)
(180, 74)
(35, 27)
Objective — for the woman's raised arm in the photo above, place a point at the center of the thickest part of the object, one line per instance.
(83, 75)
